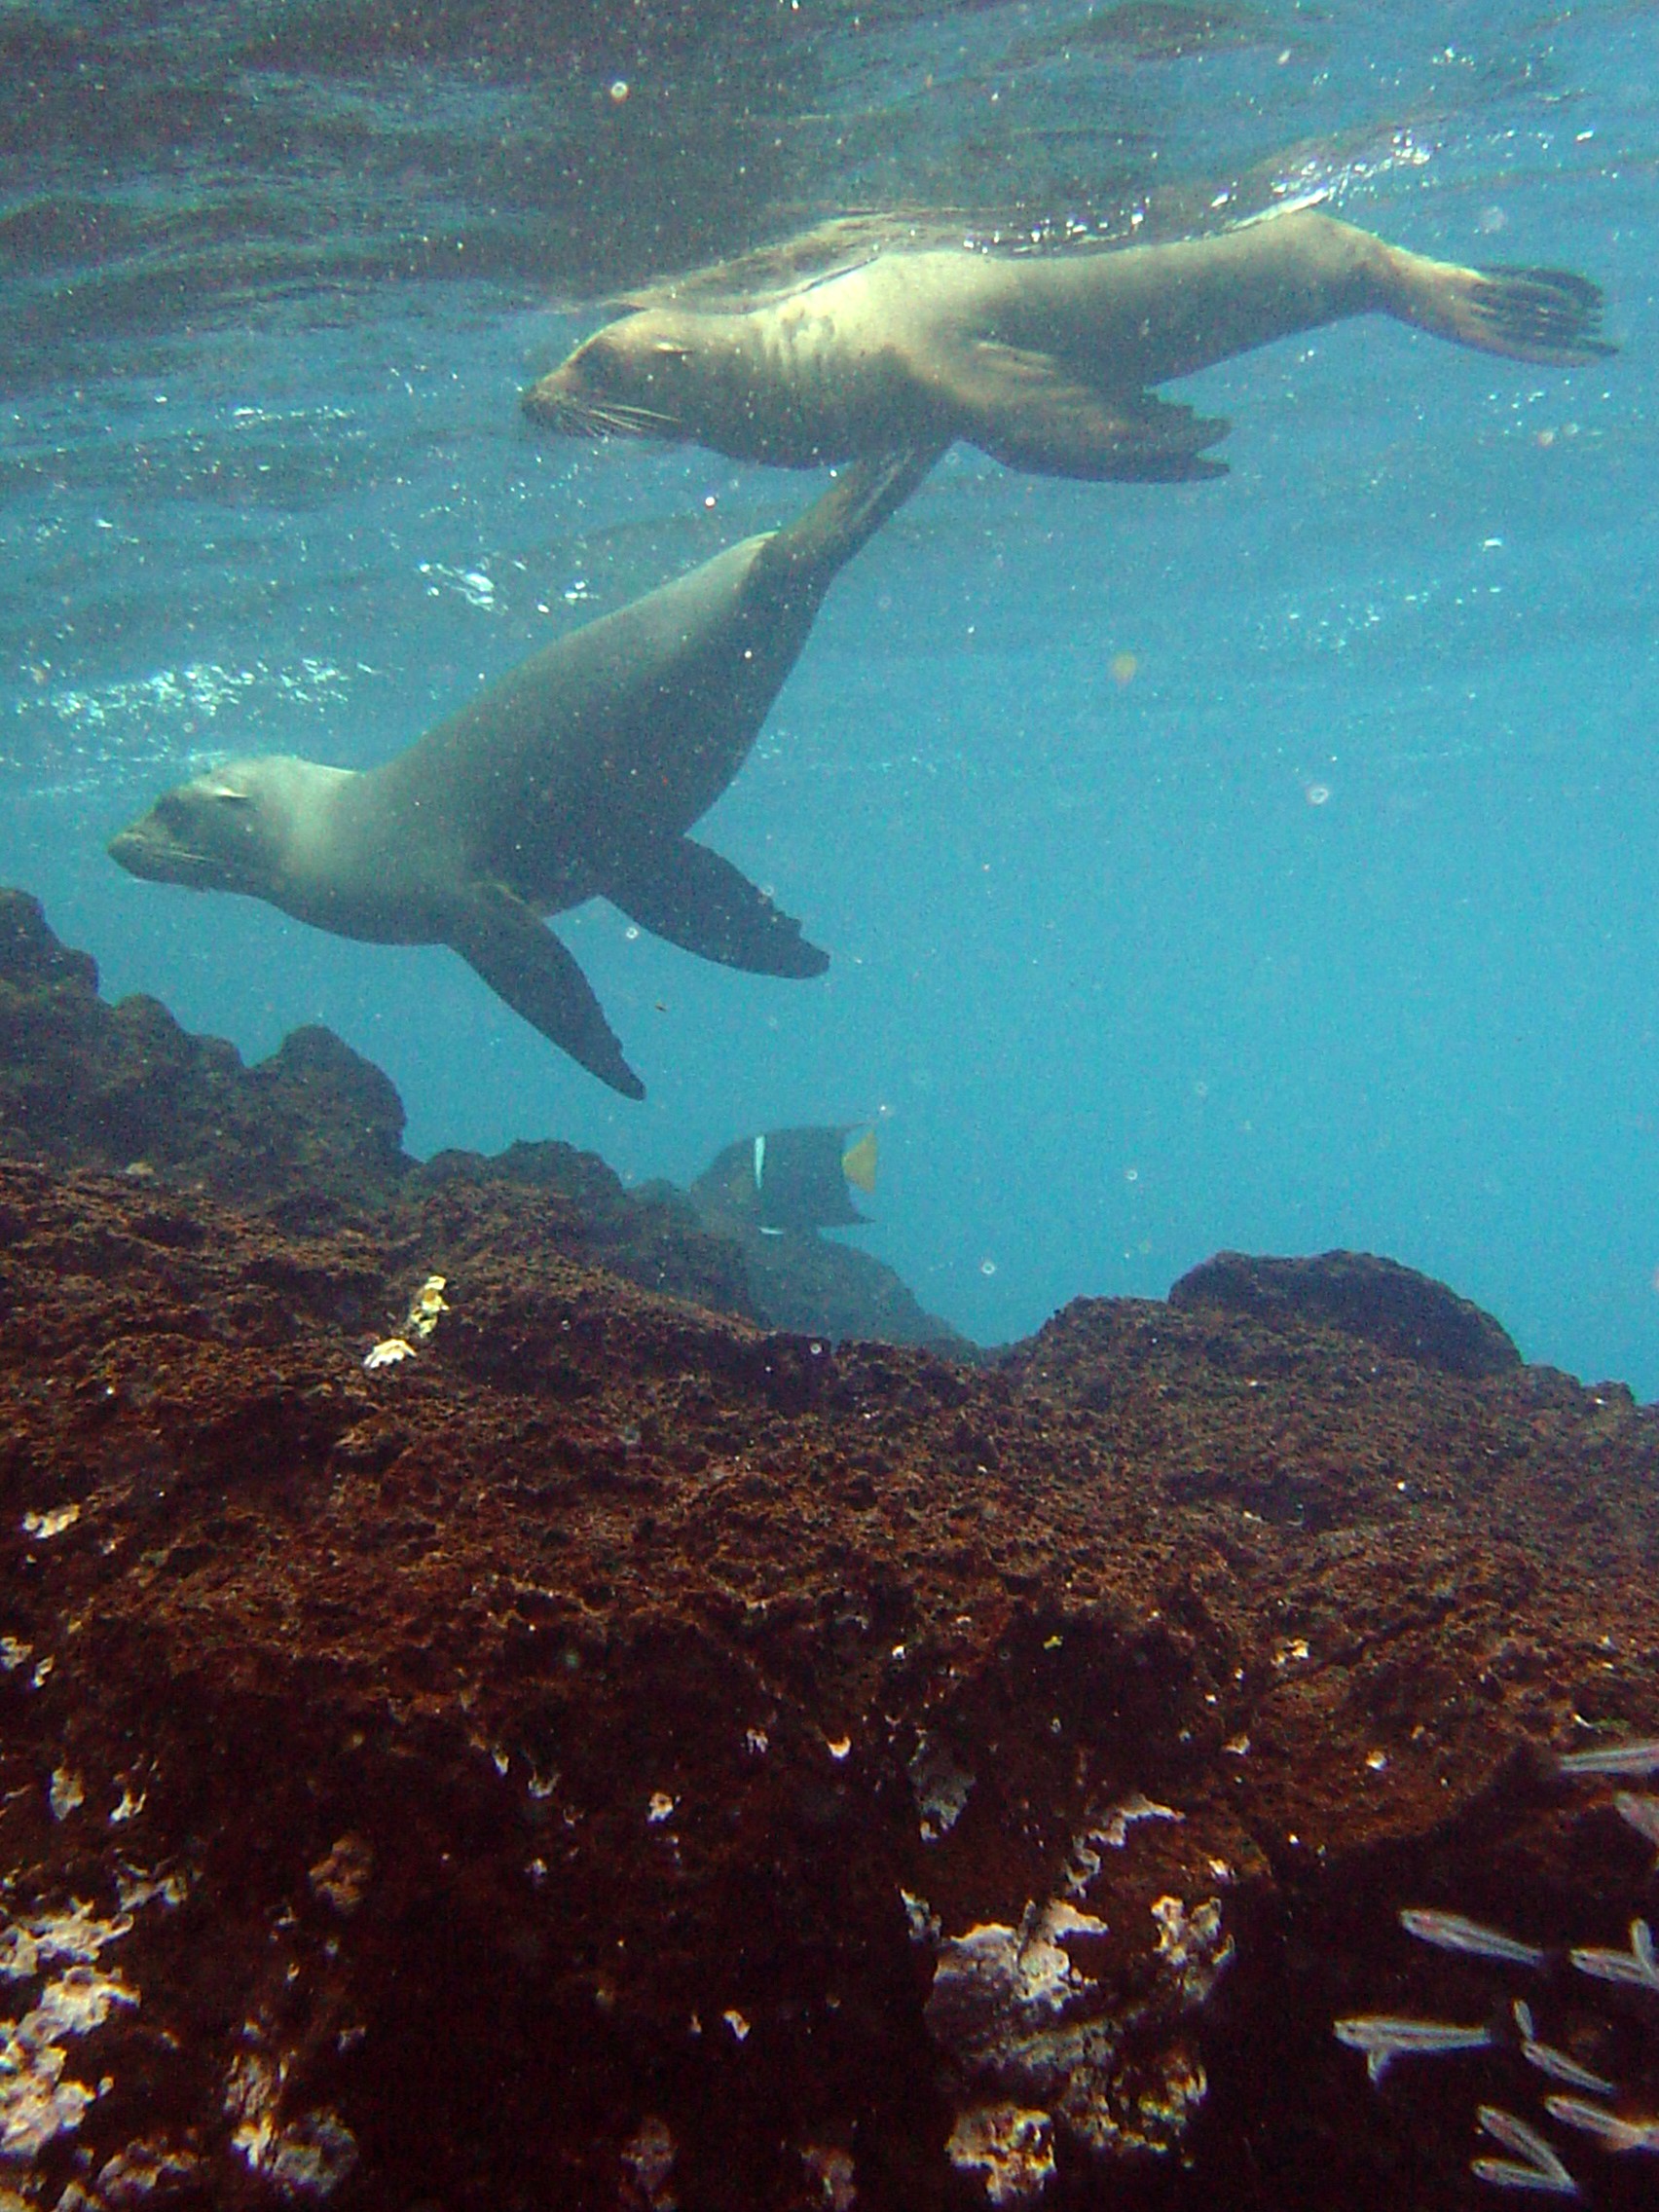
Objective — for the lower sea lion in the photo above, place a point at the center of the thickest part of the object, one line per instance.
(577, 776)
(1044, 360)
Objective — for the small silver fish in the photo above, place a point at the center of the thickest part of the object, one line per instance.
(1643, 1813)
(1556, 2063)
(1383, 2038)
(1609, 2130)
(1560, 2068)
(1613, 1758)
(1535, 2166)
(1451, 1932)
(1639, 1965)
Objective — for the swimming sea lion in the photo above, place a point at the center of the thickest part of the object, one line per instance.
(577, 776)
(1046, 361)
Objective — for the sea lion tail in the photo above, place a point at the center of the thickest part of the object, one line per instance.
(1549, 316)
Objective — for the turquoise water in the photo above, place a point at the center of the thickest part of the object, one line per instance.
(1330, 923)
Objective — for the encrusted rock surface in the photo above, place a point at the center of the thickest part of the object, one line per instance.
(1388, 1304)
(313, 1138)
(621, 1758)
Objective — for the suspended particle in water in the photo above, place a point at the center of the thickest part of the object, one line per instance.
(987, 1267)
(619, 89)
(1317, 794)
(1123, 668)
(1131, 1174)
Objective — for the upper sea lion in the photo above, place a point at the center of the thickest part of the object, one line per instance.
(1046, 361)
(574, 777)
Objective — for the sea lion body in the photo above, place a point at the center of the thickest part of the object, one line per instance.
(1046, 361)
(576, 775)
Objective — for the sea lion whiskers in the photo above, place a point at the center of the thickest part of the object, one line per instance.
(609, 417)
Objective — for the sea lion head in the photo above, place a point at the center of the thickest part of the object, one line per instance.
(643, 377)
(226, 830)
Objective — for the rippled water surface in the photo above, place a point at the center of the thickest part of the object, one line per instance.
(1266, 863)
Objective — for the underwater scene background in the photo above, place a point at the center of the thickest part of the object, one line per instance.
(1263, 863)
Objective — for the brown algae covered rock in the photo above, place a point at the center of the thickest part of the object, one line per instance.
(614, 1756)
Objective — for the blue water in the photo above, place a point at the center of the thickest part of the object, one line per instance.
(1331, 925)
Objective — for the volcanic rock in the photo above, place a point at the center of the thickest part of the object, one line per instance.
(616, 1756)
(1378, 1300)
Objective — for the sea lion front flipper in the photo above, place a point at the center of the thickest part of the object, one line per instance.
(682, 891)
(1023, 408)
(503, 941)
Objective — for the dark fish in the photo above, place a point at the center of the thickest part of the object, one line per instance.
(791, 1178)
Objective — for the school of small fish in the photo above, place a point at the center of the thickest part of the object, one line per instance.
(1533, 2164)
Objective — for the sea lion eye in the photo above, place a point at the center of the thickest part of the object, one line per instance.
(668, 346)
(231, 796)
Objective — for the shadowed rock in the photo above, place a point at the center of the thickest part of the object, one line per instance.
(1394, 1307)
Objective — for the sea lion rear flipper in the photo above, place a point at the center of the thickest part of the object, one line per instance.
(503, 941)
(1023, 408)
(682, 891)
(1550, 315)
(823, 537)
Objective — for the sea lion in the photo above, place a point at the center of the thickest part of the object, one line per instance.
(1044, 360)
(577, 776)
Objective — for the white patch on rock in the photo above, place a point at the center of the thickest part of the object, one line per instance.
(135, 1889)
(996, 1988)
(74, 1935)
(36, 2103)
(1150, 2105)
(923, 1922)
(833, 2170)
(1109, 1831)
(342, 1878)
(66, 1793)
(80, 1998)
(43, 1526)
(940, 1785)
(1192, 1945)
(310, 2157)
(1010, 2146)
(647, 2165)
(1099, 2058)
(128, 2181)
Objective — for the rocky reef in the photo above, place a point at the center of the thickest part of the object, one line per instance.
(618, 1755)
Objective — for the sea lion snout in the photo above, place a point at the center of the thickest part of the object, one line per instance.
(131, 850)
(149, 849)
(626, 380)
(546, 400)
